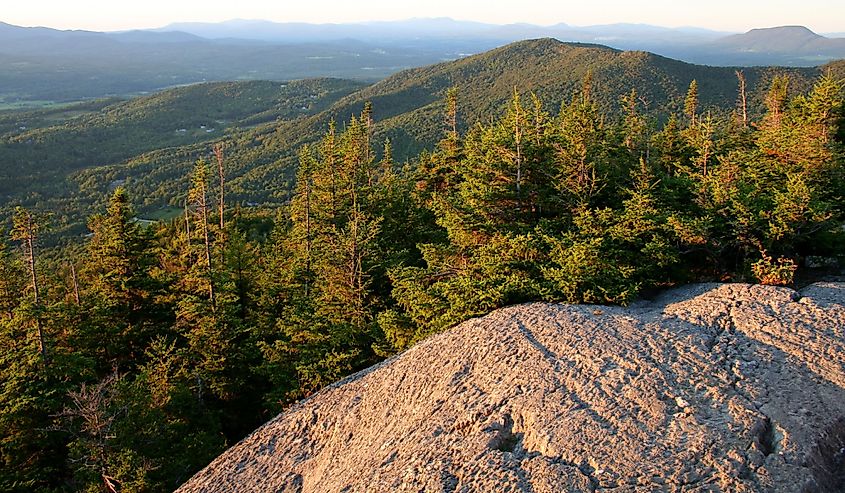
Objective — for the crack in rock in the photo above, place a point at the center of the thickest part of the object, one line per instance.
(717, 388)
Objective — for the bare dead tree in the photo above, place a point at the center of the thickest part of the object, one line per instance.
(75, 283)
(198, 196)
(90, 417)
(743, 98)
(218, 153)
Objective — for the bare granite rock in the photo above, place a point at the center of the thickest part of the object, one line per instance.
(709, 388)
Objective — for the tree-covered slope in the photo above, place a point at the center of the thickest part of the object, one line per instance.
(170, 118)
(553, 70)
(408, 107)
(36, 157)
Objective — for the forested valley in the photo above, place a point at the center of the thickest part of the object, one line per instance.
(135, 357)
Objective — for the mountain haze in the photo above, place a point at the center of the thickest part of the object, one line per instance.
(434, 29)
(87, 64)
(782, 40)
(790, 45)
(306, 32)
(493, 273)
(83, 64)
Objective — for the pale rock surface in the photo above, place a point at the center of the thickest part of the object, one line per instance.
(708, 388)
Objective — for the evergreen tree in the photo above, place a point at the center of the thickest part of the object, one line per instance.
(172, 342)
(437, 172)
(25, 228)
(691, 103)
(502, 183)
(326, 255)
(582, 165)
(635, 128)
(119, 283)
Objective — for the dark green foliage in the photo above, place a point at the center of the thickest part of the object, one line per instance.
(150, 348)
(119, 289)
(329, 259)
(582, 209)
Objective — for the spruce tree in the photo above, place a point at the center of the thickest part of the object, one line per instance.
(118, 283)
(26, 228)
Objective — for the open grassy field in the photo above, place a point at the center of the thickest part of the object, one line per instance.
(163, 214)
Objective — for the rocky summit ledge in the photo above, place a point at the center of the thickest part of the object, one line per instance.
(710, 387)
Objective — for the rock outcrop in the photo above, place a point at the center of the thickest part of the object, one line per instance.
(720, 387)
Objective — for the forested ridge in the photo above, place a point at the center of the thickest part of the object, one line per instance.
(72, 165)
(133, 359)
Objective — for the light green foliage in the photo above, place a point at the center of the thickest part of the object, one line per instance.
(609, 255)
(691, 103)
(581, 166)
(779, 193)
(774, 273)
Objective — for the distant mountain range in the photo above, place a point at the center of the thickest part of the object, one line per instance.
(48, 64)
(787, 39)
(787, 45)
(444, 28)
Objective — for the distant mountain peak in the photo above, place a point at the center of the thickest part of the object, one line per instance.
(785, 29)
(796, 41)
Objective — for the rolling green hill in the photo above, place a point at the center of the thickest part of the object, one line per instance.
(133, 356)
(139, 144)
(411, 100)
(170, 118)
(39, 150)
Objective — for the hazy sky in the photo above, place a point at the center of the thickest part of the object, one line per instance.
(728, 15)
